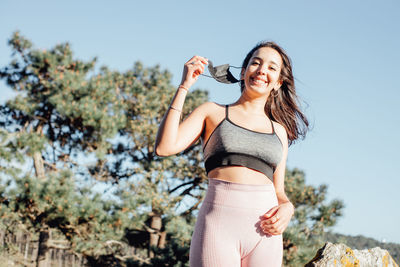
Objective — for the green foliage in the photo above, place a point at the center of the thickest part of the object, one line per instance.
(9, 154)
(313, 216)
(84, 220)
(92, 129)
(60, 100)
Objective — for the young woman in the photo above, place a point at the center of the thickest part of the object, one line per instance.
(245, 147)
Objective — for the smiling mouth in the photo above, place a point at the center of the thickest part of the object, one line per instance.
(258, 80)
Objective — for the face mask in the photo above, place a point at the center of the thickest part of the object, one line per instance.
(221, 73)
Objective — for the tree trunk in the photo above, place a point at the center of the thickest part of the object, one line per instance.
(163, 237)
(155, 224)
(44, 234)
(43, 255)
(37, 159)
(38, 163)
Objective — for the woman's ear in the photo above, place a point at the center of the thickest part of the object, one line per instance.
(279, 83)
(242, 74)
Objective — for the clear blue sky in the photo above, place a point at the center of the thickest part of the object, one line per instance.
(345, 56)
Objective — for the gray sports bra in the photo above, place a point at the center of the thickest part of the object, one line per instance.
(233, 145)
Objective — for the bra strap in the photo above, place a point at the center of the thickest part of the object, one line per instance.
(272, 124)
(226, 112)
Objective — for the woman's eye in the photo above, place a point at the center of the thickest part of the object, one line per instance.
(272, 68)
(255, 63)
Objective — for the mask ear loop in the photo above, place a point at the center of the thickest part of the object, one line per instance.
(205, 75)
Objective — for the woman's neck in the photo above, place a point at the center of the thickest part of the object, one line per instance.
(251, 105)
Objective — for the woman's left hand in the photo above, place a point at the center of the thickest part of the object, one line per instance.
(276, 220)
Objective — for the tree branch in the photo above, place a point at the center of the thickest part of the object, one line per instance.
(181, 185)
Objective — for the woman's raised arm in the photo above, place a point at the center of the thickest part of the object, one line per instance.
(173, 136)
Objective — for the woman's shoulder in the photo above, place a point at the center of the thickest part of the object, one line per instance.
(210, 104)
(280, 130)
(278, 126)
(209, 108)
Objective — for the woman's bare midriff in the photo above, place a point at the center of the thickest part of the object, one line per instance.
(239, 174)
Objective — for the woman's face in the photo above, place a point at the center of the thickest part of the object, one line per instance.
(262, 72)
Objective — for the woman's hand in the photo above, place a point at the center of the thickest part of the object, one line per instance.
(276, 220)
(192, 69)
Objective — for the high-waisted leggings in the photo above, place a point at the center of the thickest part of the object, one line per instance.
(227, 231)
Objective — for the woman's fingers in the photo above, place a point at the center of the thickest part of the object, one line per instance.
(272, 219)
(199, 69)
(271, 212)
(197, 59)
(276, 228)
(271, 223)
(278, 231)
(193, 68)
(196, 65)
(276, 219)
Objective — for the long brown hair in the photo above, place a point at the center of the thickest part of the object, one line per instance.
(282, 105)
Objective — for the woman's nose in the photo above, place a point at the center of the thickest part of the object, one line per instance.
(262, 70)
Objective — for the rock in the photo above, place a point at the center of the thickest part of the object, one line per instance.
(340, 255)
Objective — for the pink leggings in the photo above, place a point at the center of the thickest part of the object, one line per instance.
(227, 232)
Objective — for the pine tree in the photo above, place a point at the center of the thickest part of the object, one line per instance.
(60, 114)
(76, 128)
(312, 219)
(167, 189)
